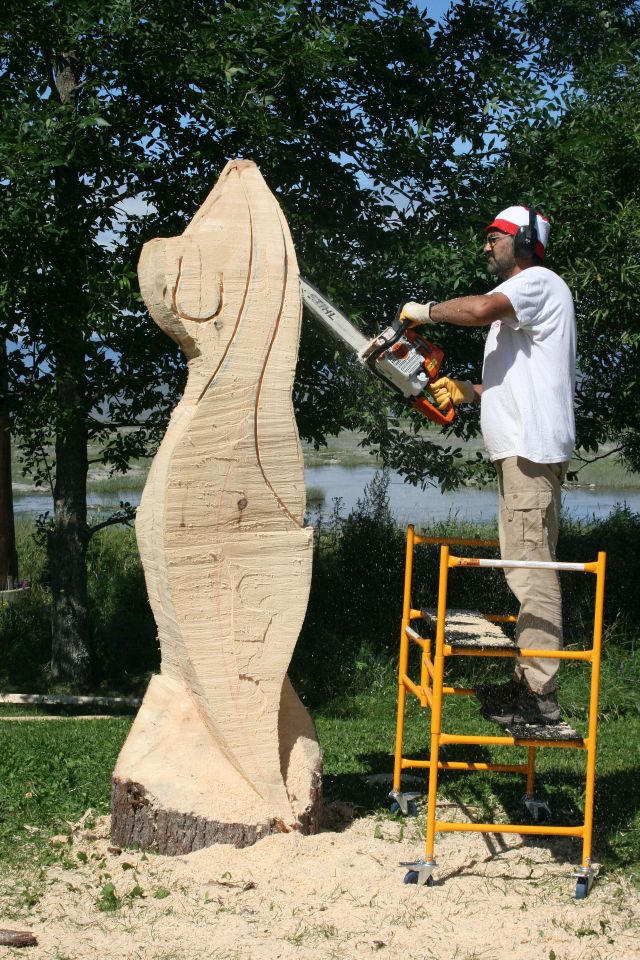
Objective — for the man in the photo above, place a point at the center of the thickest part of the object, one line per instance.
(528, 428)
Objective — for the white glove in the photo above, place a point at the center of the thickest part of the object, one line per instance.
(417, 313)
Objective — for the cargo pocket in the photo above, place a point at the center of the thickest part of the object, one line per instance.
(527, 515)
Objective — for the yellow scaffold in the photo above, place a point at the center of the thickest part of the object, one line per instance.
(456, 634)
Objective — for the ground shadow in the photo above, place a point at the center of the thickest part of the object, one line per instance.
(480, 796)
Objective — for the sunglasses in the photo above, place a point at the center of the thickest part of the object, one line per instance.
(492, 240)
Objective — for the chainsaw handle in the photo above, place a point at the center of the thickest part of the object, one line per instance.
(432, 412)
(374, 354)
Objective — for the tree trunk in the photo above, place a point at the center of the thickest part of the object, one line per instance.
(8, 555)
(67, 543)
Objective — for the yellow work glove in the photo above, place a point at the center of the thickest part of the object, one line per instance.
(417, 313)
(445, 391)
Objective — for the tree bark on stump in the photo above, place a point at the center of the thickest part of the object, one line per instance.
(222, 749)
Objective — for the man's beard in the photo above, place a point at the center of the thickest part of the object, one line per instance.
(502, 268)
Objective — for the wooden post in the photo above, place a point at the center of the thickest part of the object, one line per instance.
(222, 749)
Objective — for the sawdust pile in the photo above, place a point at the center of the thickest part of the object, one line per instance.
(337, 894)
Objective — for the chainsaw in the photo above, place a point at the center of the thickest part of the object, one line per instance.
(398, 356)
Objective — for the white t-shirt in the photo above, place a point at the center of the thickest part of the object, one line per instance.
(528, 377)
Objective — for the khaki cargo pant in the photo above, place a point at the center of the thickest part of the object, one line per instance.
(528, 520)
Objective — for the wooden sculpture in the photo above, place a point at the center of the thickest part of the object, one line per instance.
(222, 749)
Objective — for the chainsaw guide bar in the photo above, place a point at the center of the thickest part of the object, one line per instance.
(331, 318)
(399, 356)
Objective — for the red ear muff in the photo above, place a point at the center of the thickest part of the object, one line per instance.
(526, 238)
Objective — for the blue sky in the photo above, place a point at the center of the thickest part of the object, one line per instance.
(435, 8)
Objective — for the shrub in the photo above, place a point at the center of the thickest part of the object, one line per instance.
(124, 645)
(618, 535)
(353, 616)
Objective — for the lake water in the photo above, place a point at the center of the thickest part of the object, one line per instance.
(408, 504)
(413, 505)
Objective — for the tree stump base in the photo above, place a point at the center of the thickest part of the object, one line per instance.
(174, 791)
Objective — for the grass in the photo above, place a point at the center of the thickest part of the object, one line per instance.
(605, 473)
(52, 773)
(344, 450)
(99, 479)
(357, 735)
(131, 482)
(315, 496)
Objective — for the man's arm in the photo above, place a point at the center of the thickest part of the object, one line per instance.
(477, 311)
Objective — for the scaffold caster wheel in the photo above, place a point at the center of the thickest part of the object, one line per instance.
(412, 810)
(538, 810)
(582, 888)
(412, 877)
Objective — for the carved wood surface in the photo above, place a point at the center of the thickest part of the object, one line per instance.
(227, 559)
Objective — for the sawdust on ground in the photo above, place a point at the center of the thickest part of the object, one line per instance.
(337, 894)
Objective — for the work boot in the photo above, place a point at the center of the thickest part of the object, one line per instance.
(498, 694)
(537, 708)
(502, 713)
(520, 705)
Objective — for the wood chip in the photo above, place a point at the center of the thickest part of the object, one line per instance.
(17, 938)
(237, 884)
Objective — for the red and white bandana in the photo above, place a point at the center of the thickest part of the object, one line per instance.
(511, 218)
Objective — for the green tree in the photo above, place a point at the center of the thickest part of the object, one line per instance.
(117, 117)
(577, 161)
